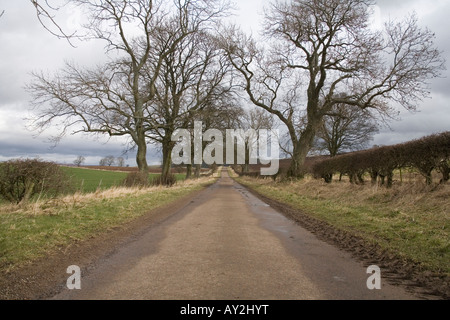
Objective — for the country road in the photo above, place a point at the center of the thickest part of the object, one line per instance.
(227, 244)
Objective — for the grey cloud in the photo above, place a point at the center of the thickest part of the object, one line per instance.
(433, 116)
(26, 46)
(24, 147)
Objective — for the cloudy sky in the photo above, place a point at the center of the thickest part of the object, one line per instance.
(25, 46)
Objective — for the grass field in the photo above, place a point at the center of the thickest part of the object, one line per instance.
(86, 180)
(89, 180)
(411, 219)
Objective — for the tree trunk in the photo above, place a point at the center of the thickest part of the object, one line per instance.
(140, 140)
(188, 171)
(198, 168)
(390, 179)
(360, 176)
(352, 178)
(29, 188)
(373, 177)
(445, 170)
(141, 156)
(328, 178)
(167, 163)
(428, 176)
(246, 165)
(300, 152)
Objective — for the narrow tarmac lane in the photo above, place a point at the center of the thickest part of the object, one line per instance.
(228, 245)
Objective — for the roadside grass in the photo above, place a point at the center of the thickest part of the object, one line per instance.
(34, 230)
(411, 219)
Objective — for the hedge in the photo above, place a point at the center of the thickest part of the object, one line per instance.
(425, 154)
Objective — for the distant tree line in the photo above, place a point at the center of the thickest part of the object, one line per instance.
(425, 155)
(108, 161)
(105, 161)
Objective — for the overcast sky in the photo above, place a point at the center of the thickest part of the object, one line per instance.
(26, 46)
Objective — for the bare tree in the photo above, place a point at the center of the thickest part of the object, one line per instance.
(110, 160)
(107, 161)
(46, 14)
(102, 162)
(116, 98)
(79, 161)
(322, 49)
(120, 162)
(191, 77)
(251, 122)
(347, 128)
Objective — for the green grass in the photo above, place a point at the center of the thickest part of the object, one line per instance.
(88, 180)
(412, 221)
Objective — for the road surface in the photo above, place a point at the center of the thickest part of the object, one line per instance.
(226, 244)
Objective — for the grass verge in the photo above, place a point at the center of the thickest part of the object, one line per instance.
(410, 220)
(32, 231)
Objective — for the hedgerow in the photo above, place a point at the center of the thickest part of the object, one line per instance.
(431, 153)
(21, 179)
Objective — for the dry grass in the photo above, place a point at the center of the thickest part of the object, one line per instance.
(408, 196)
(409, 199)
(232, 173)
(77, 199)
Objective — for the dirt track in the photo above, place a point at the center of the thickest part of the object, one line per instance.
(224, 243)
(227, 244)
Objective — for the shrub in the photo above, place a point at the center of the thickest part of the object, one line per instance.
(253, 174)
(22, 179)
(444, 169)
(430, 153)
(136, 179)
(168, 181)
